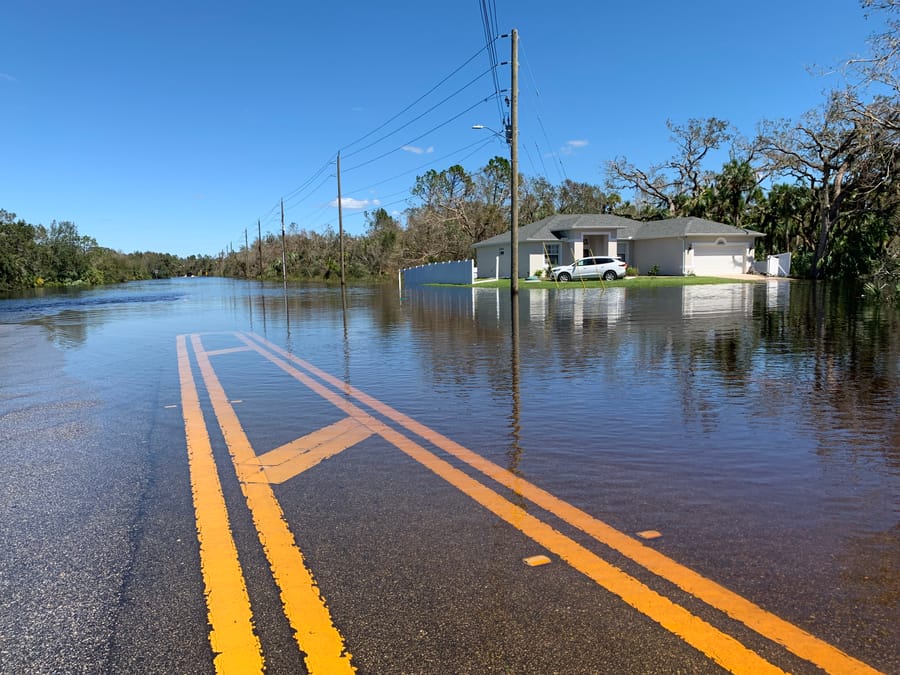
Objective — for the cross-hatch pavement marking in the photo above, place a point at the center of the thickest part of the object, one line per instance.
(320, 640)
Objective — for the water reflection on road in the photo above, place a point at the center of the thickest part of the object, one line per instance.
(754, 425)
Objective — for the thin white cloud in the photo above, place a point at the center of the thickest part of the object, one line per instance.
(350, 203)
(572, 146)
(8, 78)
(418, 151)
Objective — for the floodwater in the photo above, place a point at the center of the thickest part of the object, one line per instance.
(754, 425)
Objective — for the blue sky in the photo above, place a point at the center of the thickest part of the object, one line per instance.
(174, 126)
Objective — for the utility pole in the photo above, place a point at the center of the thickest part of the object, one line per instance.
(283, 258)
(246, 255)
(259, 245)
(340, 219)
(514, 167)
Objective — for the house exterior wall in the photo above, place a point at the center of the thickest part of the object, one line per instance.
(666, 253)
(531, 259)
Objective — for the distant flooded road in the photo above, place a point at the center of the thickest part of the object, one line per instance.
(206, 475)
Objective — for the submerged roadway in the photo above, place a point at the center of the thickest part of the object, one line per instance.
(177, 530)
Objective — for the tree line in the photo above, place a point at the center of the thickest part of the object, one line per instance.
(35, 255)
(824, 188)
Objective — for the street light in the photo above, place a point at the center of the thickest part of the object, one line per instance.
(507, 136)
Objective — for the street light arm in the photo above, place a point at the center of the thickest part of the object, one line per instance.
(505, 136)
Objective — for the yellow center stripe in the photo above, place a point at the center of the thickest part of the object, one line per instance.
(235, 645)
(304, 606)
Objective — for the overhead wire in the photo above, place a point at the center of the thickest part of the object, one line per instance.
(309, 186)
(489, 23)
(480, 143)
(419, 137)
(416, 119)
(300, 199)
(309, 180)
(478, 146)
(561, 170)
(416, 102)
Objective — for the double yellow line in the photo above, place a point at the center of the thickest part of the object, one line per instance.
(304, 606)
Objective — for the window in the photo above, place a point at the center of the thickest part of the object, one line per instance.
(551, 253)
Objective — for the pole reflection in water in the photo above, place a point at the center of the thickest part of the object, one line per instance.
(515, 450)
(346, 335)
(287, 313)
(262, 297)
(250, 308)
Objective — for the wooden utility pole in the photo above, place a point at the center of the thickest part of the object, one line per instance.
(246, 255)
(259, 245)
(514, 167)
(340, 219)
(283, 257)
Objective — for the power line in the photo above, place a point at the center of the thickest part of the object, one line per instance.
(309, 180)
(416, 119)
(481, 144)
(489, 23)
(300, 199)
(312, 219)
(414, 103)
(419, 137)
(307, 188)
(561, 170)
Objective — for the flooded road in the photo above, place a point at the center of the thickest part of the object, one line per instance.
(712, 472)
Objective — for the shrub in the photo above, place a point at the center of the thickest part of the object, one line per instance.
(631, 271)
(654, 271)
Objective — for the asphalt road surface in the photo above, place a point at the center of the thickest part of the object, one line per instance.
(174, 527)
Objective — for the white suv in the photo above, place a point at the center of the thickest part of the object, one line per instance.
(597, 267)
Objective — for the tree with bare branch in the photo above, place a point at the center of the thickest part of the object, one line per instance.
(680, 178)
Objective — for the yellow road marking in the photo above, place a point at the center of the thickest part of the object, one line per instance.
(291, 459)
(227, 350)
(770, 626)
(721, 648)
(304, 606)
(235, 645)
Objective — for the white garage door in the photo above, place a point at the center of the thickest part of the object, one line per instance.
(711, 259)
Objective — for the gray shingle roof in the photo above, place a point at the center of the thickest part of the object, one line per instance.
(681, 227)
(547, 229)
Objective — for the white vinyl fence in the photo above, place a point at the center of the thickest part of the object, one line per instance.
(775, 265)
(458, 272)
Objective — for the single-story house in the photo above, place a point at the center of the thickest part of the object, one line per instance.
(676, 246)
